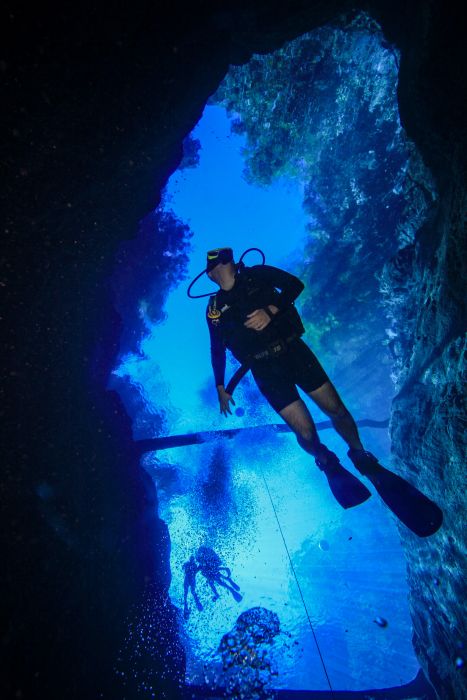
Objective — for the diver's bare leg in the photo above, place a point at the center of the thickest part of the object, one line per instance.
(329, 401)
(186, 610)
(298, 418)
(222, 582)
(213, 588)
(196, 597)
(232, 583)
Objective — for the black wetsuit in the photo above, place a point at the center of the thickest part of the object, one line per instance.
(276, 374)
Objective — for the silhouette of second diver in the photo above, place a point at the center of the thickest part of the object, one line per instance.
(209, 564)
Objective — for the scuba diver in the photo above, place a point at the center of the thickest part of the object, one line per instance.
(262, 328)
(210, 566)
(253, 315)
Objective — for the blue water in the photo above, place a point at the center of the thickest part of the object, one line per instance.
(222, 210)
(258, 501)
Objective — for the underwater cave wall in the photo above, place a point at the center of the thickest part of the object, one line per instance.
(429, 438)
(101, 104)
(428, 290)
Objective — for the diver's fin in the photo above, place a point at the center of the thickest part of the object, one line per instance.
(346, 488)
(421, 515)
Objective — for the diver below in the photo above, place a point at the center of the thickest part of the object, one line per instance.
(253, 315)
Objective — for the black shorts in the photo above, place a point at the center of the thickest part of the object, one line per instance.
(278, 377)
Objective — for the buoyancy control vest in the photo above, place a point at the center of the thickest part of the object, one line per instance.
(228, 310)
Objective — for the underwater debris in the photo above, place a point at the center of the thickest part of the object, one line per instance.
(380, 621)
(246, 669)
(150, 654)
(261, 623)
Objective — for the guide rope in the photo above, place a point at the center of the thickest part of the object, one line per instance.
(298, 585)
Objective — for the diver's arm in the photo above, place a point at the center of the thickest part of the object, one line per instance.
(217, 353)
(289, 285)
(271, 310)
(218, 366)
(225, 400)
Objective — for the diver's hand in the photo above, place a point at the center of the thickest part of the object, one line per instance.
(224, 399)
(259, 319)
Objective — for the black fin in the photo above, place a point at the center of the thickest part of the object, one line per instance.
(421, 515)
(346, 488)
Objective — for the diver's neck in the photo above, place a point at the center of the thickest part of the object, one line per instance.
(227, 284)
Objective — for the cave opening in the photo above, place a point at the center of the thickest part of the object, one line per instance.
(300, 153)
